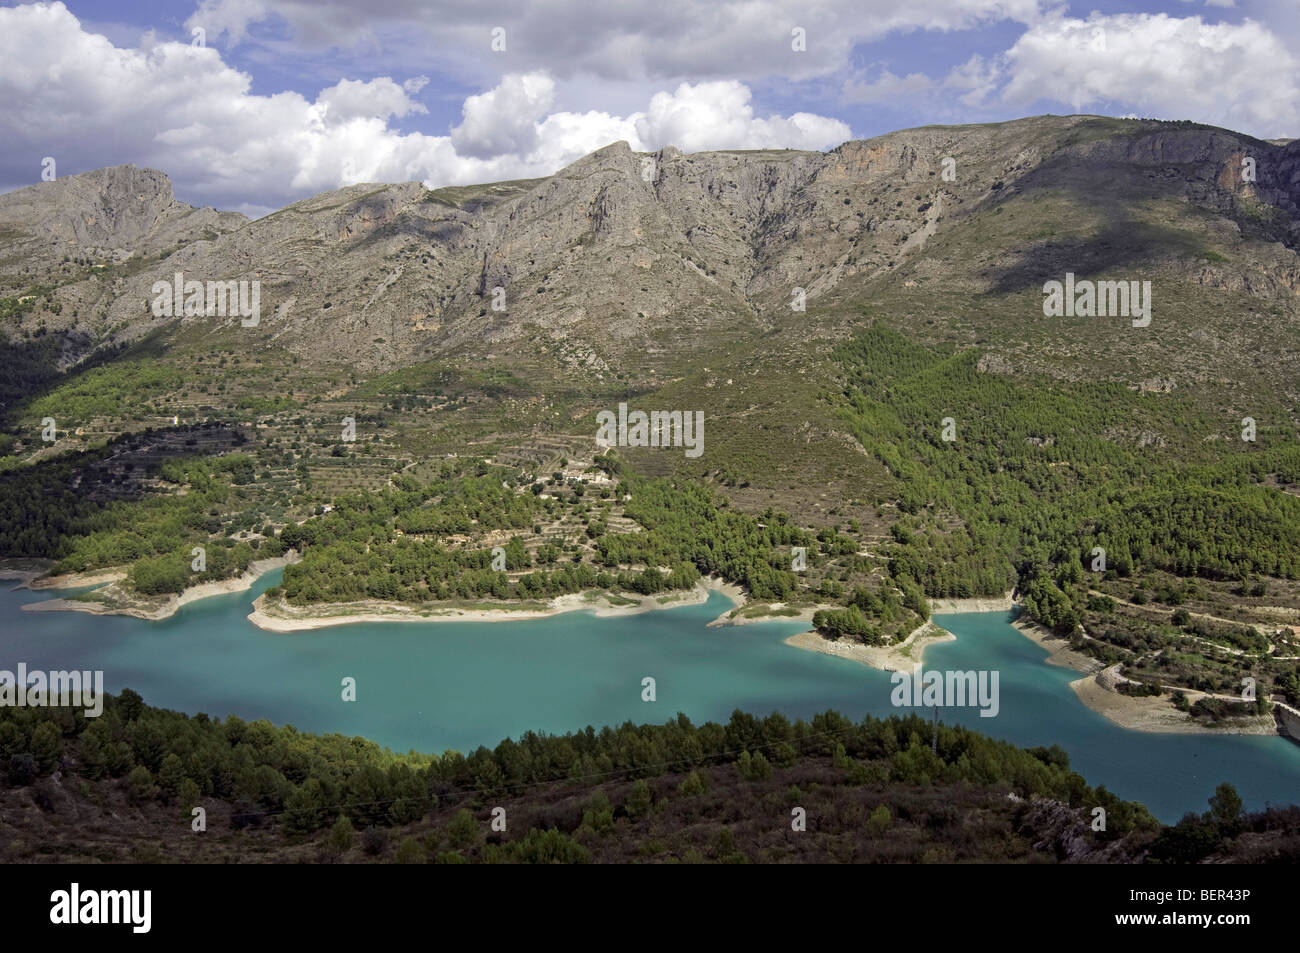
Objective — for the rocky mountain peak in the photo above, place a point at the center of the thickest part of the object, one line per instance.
(621, 260)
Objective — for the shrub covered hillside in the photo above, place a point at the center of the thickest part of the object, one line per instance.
(873, 791)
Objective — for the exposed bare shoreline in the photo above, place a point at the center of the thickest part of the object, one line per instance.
(278, 616)
(1058, 648)
(900, 657)
(74, 580)
(150, 609)
(18, 567)
(1155, 714)
(1150, 714)
(1002, 603)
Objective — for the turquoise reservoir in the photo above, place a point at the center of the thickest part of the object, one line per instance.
(438, 685)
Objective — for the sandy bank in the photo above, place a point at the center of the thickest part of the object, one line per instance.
(1095, 689)
(114, 599)
(899, 657)
(1157, 712)
(1002, 603)
(1058, 646)
(275, 615)
(1153, 713)
(75, 580)
(24, 570)
(774, 611)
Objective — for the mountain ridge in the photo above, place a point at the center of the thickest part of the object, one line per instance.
(731, 233)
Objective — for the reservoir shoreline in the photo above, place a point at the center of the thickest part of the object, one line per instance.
(152, 610)
(450, 686)
(1096, 688)
(274, 615)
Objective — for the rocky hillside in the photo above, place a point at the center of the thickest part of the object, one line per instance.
(832, 792)
(110, 215)
(497, 319)
(626, 264)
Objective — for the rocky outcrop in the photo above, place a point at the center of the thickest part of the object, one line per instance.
(111, 213)
(630, 263)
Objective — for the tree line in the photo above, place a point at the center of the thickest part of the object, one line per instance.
(307, 782)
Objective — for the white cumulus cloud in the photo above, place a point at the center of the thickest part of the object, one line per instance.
(74, 95)
(379, 98)
(718, 115)
(504, 120)
(1242, 76)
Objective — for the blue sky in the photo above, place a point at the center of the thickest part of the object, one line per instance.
(279, 99)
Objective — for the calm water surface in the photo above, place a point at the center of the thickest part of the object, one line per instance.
(432, 686)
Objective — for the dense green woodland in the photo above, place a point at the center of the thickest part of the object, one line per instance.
(390, 544)
(45, 512)
(874, 791)
(686, 523)
(307, 781)
(356, 551)
(1042, 472)
(104, 390)
(1039, 476)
